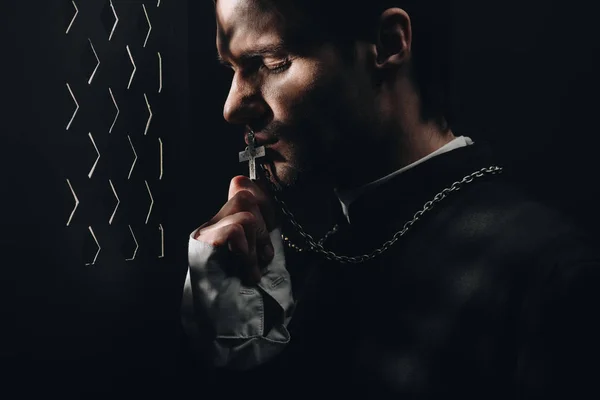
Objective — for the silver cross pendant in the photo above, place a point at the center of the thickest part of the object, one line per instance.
(251, 154)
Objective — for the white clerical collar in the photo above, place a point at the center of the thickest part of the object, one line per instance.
(346, 198)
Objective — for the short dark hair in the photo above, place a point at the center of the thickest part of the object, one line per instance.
(342, 22)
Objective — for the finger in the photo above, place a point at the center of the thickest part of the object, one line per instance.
(238, 245)
(238, 232)
(241, 201)
(245, 201)
(263, 199)
(242, 243)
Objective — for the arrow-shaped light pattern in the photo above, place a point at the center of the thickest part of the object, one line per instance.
(151, 202)
(74, 16)
(162, 241)
(149, 24)
(150, 114)
(116, 20)
(76, 109)
(134, 67)
(76, 202)
(160, 73)
(118, 202)
(134, 160)
(160, 146)
(97, 65)
(136, 245)
(97, 244)
(97, 158)
(118, 111)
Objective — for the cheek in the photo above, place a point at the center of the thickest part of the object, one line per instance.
(309, 103)
(294, 90)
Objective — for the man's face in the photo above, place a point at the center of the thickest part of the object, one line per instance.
(302, 107)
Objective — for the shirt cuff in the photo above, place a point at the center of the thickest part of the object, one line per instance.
(237, 312)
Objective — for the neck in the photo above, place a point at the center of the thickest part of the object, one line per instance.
(394, 137)
(314, 206)
(394, 151)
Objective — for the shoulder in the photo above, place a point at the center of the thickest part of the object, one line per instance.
(515, 222)
(506, 204)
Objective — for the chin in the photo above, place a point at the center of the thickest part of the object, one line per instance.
(283, 175)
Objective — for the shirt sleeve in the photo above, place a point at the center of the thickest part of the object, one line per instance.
(237, 312)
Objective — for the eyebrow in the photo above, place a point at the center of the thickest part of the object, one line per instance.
(262, 51)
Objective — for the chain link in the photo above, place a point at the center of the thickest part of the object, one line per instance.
(317, 247)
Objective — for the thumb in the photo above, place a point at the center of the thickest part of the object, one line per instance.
(264, 198)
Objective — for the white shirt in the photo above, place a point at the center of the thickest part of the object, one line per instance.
(236, 311)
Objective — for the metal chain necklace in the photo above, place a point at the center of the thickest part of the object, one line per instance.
(317, 246)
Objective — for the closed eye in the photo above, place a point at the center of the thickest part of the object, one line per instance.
(278, 68)
(255, 64)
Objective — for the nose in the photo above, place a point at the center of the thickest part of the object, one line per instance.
(244, 103)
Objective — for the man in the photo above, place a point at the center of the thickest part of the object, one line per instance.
(438, 280)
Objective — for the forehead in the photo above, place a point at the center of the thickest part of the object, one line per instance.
(243, 24)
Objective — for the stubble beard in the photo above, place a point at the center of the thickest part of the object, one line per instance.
(303, 175)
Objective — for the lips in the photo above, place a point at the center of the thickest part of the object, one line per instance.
(260, 139)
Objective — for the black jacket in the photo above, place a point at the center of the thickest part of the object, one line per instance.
(489, 295)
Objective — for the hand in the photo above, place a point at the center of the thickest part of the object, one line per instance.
(243, 224)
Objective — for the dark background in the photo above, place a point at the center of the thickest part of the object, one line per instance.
(528, 85)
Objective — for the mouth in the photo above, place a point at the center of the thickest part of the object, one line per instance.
(260, 139)
(272, 150)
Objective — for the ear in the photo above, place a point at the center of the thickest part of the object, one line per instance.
(394, 38)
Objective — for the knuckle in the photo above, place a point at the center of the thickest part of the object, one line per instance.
(237, 184)
(219, 237)
(212, 238)
(246, 217)
(262, 233)
(239, 181)
(235, 230)
(244, 199)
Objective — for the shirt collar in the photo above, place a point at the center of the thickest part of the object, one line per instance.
(346, 198)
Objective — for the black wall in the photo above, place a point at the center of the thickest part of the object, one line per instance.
(528, 85)
(80, 315)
